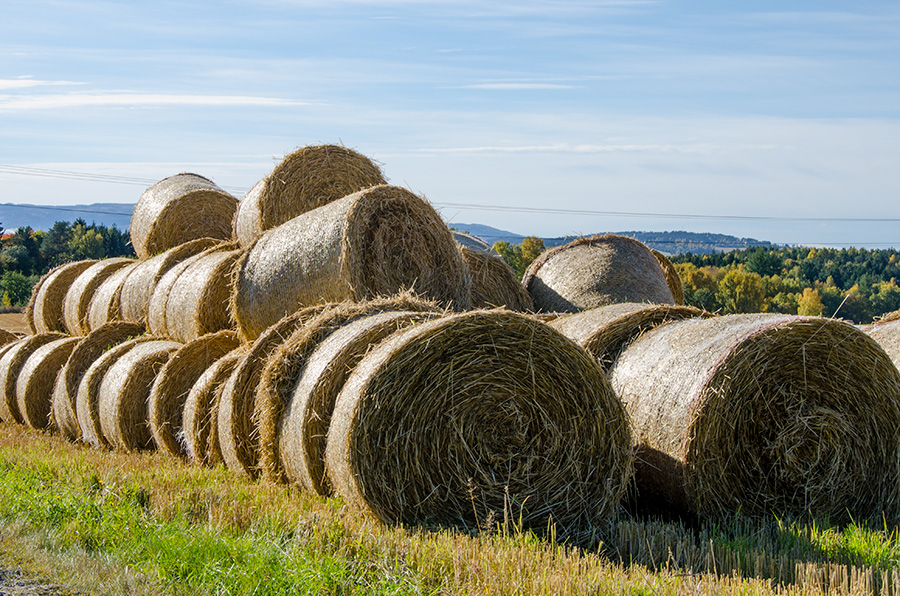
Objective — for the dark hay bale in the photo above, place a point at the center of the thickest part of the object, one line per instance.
(375, 242)
(596, 271)
(49, 295)
(174, 382)
(88, 350)
(307, 414)
(198, 420)
(762, 414)
(238, 433)
(11, 365)
(138, 286)
(480, 417)
(36, 380)
(304, 180)
(87, 398)
(104, 306)
(285, 365)
(179, 209)
(80, 293)
(494, 283)
(606, 331)
(673, 280)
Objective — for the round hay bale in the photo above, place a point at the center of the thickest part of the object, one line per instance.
(304, 180)
(125, 390)
(49, 296)
(179, 209)
(606, 331)
(37, 378)
(468, 417)
(138, 286)
(198, 421)
(238, 434)
(763, 414)
(11, 364)
(673, 280)
(473, 242)
(375, 242)
(596, 271)
(494, 282)
(80, 293)
(87, 398)
(307, 414)
(8, 337)
(887, 333)
(29, 308)
(198, 303)
(89, 349)
(174, 382)
(285, 365)
(104, 306)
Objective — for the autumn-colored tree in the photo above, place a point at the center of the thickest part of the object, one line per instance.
(741, 292)
(532, 247)
(810, 303)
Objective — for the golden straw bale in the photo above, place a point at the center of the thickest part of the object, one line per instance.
(179, 209)
(36, 380)
(80, 293)
(307, 178)
(174, 382)
(494, 283)
(104, 306)
(87, 398)
(607, 330)
(481, 416)
(139, 284)
(49, 296)
(124, 393)
(91, 347)
(887, 333)
(199, 420)
(307, 414)
(596, 271)
(8, 337)
(673, 280)
(285, 365)
(762, 414)
(11, 363)
(375, 242)
(29, 308)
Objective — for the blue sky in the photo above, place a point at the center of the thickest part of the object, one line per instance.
(753, 115)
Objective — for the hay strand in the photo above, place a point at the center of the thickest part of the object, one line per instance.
(596, 271)
(308, 178)
(37, 378)
(375, 242)
(49, 296)
(11, 363)
(78, 297)
(174, 382)
(179, 209)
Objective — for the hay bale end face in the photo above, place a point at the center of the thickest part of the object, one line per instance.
(458, 420)
(11, 364)
(104, 306)
(37, 378)
(173, 383)
(124, 393)
(376, 242)
(763, 413)
(596, 271)
(49, 296)
(308, 178)
(179, 209)
(79, 295)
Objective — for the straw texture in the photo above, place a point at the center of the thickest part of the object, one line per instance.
(80, 293)
(307, 414)
(673, 280)
(138, 286)
(494, 282)
(36, 380)
(606, 331)
(11, 364)
(49, 295)
(29, 308)
(477, 417)
(304, 180)
(104, 306)
(763, 413)
(596, 271)
(376, 242)
(174, 382)
(179, 209)
(887, 333)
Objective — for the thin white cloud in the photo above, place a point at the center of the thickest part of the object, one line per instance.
(10, 103)
(28, 82)
(582, 148)
(515, 86)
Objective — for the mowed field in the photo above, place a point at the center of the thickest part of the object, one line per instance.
(14, 322)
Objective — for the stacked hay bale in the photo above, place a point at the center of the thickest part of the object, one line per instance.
(104, 306)
(887, 333)
(36, 379)
(82, 289)
(596, 271)
(179, 209)
(14, 356)
(673, 279)
(372, 243)
(308, 178)
(762, 413)
(467, 417)
(45, 308)
(494, 282)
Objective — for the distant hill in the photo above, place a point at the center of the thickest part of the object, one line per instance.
(667, 242)
(42, 217)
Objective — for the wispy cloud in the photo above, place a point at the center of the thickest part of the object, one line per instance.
(28, 82)
(583, 148)
(137, 100)
(515, 86)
